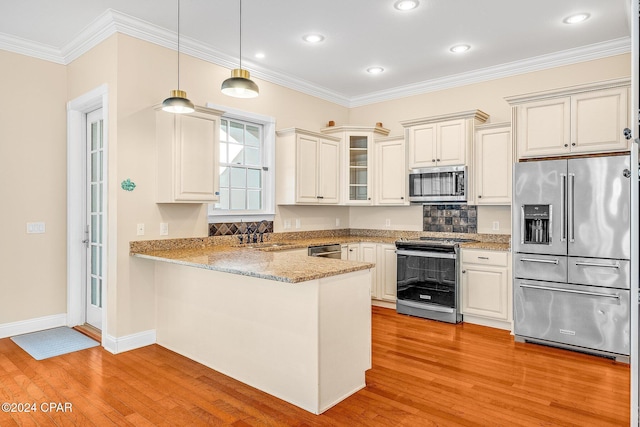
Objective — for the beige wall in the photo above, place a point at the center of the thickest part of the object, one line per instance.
(33, 174)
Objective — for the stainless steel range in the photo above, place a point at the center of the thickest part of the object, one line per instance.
(427, 279)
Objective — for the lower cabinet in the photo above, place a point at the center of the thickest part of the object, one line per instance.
(383, 282)
(486, 288)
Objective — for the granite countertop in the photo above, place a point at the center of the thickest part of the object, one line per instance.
(274, 260)
(265, 263)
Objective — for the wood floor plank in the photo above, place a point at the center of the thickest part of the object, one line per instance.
(424, 373)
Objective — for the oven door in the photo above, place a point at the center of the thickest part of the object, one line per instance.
(427, 277)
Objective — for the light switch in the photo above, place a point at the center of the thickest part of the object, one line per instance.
(164, 228)
(496, 225)
(35, 228)
(387, 222)
(140, 229)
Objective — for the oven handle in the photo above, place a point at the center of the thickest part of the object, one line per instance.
(426, 254)
(424, 306)
(570, 291)
(321, 254)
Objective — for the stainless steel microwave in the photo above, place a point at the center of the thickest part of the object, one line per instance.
(438, 184)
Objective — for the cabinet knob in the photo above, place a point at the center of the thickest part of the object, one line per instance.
(566, 145)
(573, 144)
(401, 197)
(437, 160)
(368, 198)
(319, 197)
(433, 160)
(479, 196)
(464, 271)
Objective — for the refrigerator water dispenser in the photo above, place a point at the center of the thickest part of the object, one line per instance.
(536, 224)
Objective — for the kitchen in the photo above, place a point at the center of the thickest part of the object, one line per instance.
(138, 86)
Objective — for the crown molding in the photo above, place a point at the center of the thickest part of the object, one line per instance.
(557, 59)
(111, 22)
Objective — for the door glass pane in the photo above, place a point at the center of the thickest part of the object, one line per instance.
(358, 142)
(358, 176)
(96, 232)
(96, 291)
(96, 198)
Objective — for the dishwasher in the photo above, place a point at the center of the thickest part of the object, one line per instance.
(332, 250)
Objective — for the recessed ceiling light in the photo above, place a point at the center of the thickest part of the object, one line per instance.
(406, 4)
(260, 55)
(375, 70)
(460, 48)
(574, 19)
(313, 38)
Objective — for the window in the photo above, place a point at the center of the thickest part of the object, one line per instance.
(245, 167)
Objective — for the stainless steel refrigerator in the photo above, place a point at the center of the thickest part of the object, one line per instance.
(571, 243)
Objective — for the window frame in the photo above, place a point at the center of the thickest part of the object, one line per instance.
(268, 161)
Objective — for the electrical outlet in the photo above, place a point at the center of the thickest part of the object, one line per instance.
(297, 222)
(140, 229)
(496, 225)
(337, 222)
(35, 228)
(387, 222)
(164, 228)
(287, 224)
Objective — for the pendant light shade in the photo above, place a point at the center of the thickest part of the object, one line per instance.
(240, 85)
(177, 102)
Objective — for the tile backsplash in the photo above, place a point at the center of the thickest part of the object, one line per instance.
(450, 218)
(232, 228)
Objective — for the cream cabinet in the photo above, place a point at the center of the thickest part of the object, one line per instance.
(386, 272)
(577, 120)
(486, 290)
(307, 167)
(390, 180)
(187, 156)
(442, 140)
(492, 164)
(358, 164)
(353, 252)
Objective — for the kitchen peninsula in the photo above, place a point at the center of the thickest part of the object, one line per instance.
(293, 326)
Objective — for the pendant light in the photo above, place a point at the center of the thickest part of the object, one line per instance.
(239, 85)
(177, 102)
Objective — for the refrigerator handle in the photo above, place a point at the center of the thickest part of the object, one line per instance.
(522, 225)
(563, 203)
(570, 208)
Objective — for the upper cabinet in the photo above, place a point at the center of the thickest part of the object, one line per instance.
(492, 164)
(442, 140)
(357, 169)
(390, 181)
(187, 156)
(307, 167)
(576, 120)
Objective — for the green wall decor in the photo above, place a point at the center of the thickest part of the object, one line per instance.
(128, 185)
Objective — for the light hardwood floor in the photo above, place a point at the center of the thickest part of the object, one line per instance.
(424, 373)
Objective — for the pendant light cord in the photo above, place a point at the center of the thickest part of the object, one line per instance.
(178, 44)
(241, 34)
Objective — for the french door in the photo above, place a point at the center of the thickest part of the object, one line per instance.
(95, 216)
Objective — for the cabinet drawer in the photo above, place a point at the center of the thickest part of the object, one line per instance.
(540, 267)
(474, 256)
(599, 272)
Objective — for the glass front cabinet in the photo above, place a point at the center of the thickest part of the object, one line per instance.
(358, 150)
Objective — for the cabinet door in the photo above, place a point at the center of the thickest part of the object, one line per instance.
(543, 128)
(452, 143)
(492, 166)
(387, 266)
(597, 121)
(484, 291)
(422, 146)
(354, 252)
(391, 173)
(358, 162)
(328, 171)
(368, 253)
(306, 169)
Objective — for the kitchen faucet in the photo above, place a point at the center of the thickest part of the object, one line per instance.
(266, 226)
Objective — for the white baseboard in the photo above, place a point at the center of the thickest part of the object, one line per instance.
(129, 342)
(32, 325)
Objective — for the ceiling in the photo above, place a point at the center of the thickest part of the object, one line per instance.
(506, 37)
